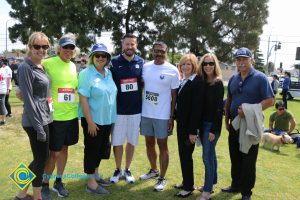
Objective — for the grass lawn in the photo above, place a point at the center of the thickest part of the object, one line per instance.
(278, 173)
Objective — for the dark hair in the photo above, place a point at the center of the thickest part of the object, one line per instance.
(288, 73)
(275, 76)
(279, 104)
(129, 35)
(161, 44)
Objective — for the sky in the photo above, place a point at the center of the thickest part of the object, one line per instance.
(282, 26)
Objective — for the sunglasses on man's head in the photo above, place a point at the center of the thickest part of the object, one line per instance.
(38, 47)
(208, 63)
(69, 46)
(98, 55)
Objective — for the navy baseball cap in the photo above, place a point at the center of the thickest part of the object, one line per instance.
(65, 41)
(99, 47)
(243, 52)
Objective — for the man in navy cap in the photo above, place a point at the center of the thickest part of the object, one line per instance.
(250, 86)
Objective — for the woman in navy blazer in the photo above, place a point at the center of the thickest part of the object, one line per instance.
(188, 112)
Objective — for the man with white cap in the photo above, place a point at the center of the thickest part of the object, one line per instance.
(64, 130)
(251, 86)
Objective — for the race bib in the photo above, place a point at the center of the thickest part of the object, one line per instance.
(50, 104)
(66, 95)
(152, 97)
(129, 85)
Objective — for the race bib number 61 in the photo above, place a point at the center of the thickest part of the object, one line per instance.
(66, 95)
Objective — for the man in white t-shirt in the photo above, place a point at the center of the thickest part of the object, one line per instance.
(8, 72)
(4, 90)
(161, 80)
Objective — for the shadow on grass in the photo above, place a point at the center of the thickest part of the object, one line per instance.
(120, 190)
(278, 152)
(223, 195)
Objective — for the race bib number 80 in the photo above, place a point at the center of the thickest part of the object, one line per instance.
(152, 97)
(128, 85)
(66, 95)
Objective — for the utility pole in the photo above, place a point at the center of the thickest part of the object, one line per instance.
(6, 33)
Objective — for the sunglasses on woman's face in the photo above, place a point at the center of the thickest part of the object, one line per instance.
(98, 55)
(69, 46)
(208, 63)
(38, 47)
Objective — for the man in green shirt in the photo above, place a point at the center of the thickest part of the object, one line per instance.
(281, 121)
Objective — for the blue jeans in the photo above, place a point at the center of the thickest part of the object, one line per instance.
(209, 158)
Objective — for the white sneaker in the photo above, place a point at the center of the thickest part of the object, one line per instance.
(160, 185)
(128, 176)
(117, 175)
(151, 174)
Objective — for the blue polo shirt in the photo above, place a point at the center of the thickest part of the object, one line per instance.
(254, 89)
(128, 79)
(101, 93)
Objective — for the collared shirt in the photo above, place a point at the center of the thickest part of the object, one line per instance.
(101, 93)
(254, 89)
(128, 79)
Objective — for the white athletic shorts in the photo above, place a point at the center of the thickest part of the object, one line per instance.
(126, 127)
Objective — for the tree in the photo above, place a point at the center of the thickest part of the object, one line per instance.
(197, 26)
(258, 59)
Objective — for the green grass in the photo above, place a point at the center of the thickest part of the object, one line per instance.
(278, 173)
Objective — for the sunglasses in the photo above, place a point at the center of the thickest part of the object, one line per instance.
(159, 51)
(38, 47)
(208, 63)
(240, 86)
(69, 46)
(100, 55)
(280, 109)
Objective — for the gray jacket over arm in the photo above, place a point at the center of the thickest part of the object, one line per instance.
(34, 84)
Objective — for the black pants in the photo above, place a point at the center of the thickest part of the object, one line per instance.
(243, 166)
(94, 147)
(7, 104)
(40, 151)
(284, 97)
(186, 150)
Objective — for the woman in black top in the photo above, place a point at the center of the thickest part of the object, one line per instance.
(188, 112)
(212, 119)
(35, 87)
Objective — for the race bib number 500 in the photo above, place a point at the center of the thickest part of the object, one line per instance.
(152, 97)
(128, 85)
(66, 95)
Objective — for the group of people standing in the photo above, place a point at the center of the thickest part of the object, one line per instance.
(124, 96)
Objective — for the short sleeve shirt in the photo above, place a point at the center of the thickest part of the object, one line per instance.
(64, 82)
(281, 122)
(3, 82)
(159, 80)
(254, 89)
(101, 93)
(128, 79)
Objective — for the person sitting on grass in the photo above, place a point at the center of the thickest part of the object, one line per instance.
(281, 121)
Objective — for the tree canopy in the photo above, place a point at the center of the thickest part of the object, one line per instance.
(197, 26)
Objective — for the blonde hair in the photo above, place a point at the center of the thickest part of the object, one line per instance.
(217, 68)
(193, 59)
(76, 51)
(33, 37)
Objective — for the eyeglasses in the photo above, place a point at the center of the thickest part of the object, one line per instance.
(208, 63)
(38, 47)
(159, 51)
(280, 109)
(100, 55)
(240, 86)
(69, 46)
